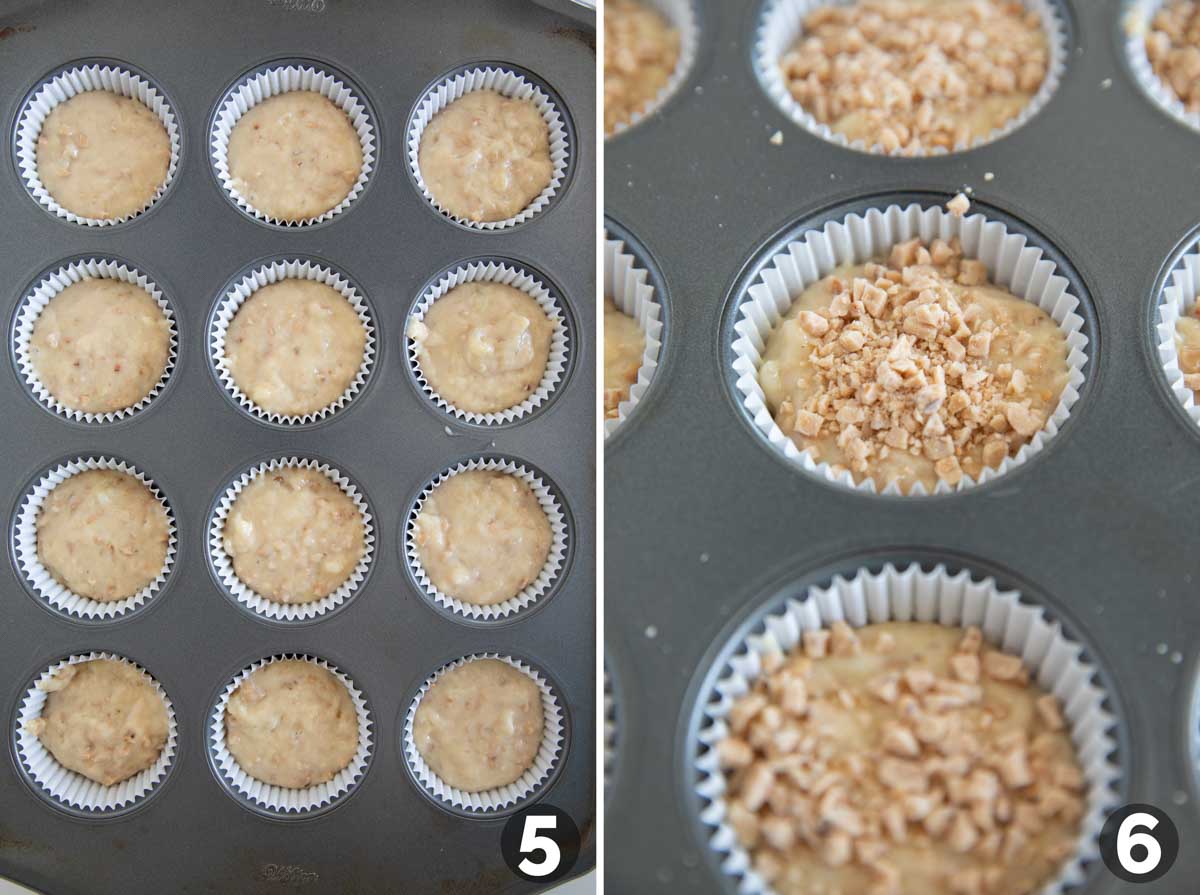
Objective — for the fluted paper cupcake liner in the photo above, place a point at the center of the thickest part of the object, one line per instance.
(45, 291)
(626, 284)
(69, 788)
(282, 800)
(1014, 261)
(1180, 291)
(269, 274)
(514, 275)
(70, 83)
(555, 559)
(1137, 16)
(783, 23)
(549, 754)
(265, 606)
(507, 83)
(1055, 662)
(681, 15)
(56, 595)
(260, 86)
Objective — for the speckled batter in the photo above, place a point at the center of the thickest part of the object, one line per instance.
(624, 348)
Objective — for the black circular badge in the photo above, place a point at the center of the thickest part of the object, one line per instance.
(1139, 843)
(540, 844)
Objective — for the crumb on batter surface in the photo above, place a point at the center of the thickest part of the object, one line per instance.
(641, 51)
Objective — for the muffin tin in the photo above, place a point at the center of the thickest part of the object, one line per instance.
(709, 528)
(194, 832)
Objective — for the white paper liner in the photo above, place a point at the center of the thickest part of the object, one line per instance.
(1013, 262)
(1180, 292)
(519, 278)
(276, 272)
(58, 596)
(549, 753)
(42, 294)
(559, 532)
(263, 85)
(280, 799)
(68, 787)
(1054, 661)
(265, 606)
(62, 87)
(681, 15)
(507, 83)
(1137, 18)
(626, 284)
(783, 22)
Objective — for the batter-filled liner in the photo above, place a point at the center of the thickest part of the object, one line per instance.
(1180, 291)
(555, 559)
(680, 15)
(44, 292)
(274, 609)
(627, 285)
(62, 87)
(65, 787)
(1013, 260)
(263, 85)
(269, 274)
(279, 800)
(782, 23)
(1136, 19)
(516, 276)
(507, 83)
(60, 598)
(1055, 662)
(549, 754)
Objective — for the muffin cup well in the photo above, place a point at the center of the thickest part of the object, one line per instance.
(782, 23)
(222, 562)
(1180, 291)
(491, 801)
(510, 82)
(263, 84)
(533, 284)
(282, 801)
(681, 15)
(1136, 20)
(547, 577)
(66, 788)
(45, 291)
(627, 285)
(1056, 663)
(70, 82)
(1014, 261)
(268, 274)
(38, 578)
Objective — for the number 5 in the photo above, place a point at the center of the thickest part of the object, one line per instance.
(532, 842)
(1127, 839)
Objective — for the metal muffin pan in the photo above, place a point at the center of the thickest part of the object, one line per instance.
(705, 526)
(385, 835)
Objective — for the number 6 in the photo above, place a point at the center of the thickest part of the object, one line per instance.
(1126, 840)
(532, 842)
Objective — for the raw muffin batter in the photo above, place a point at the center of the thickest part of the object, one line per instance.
(480, 725)
(100, 345)
(291, 723)
(101, 155)
(624, 346)
(294, 347)
(483, 346)
(1173, 47)
(913, 370)
(641, 51)
(482, 536)
(294, 156)
(901, 759)
(1187, 345)
(294, 535)
(911, 76)
(102, 719)
(486, 156)
(102, 534)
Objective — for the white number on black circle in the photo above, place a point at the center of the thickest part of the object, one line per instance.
(532, 842)
(1128, 839)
